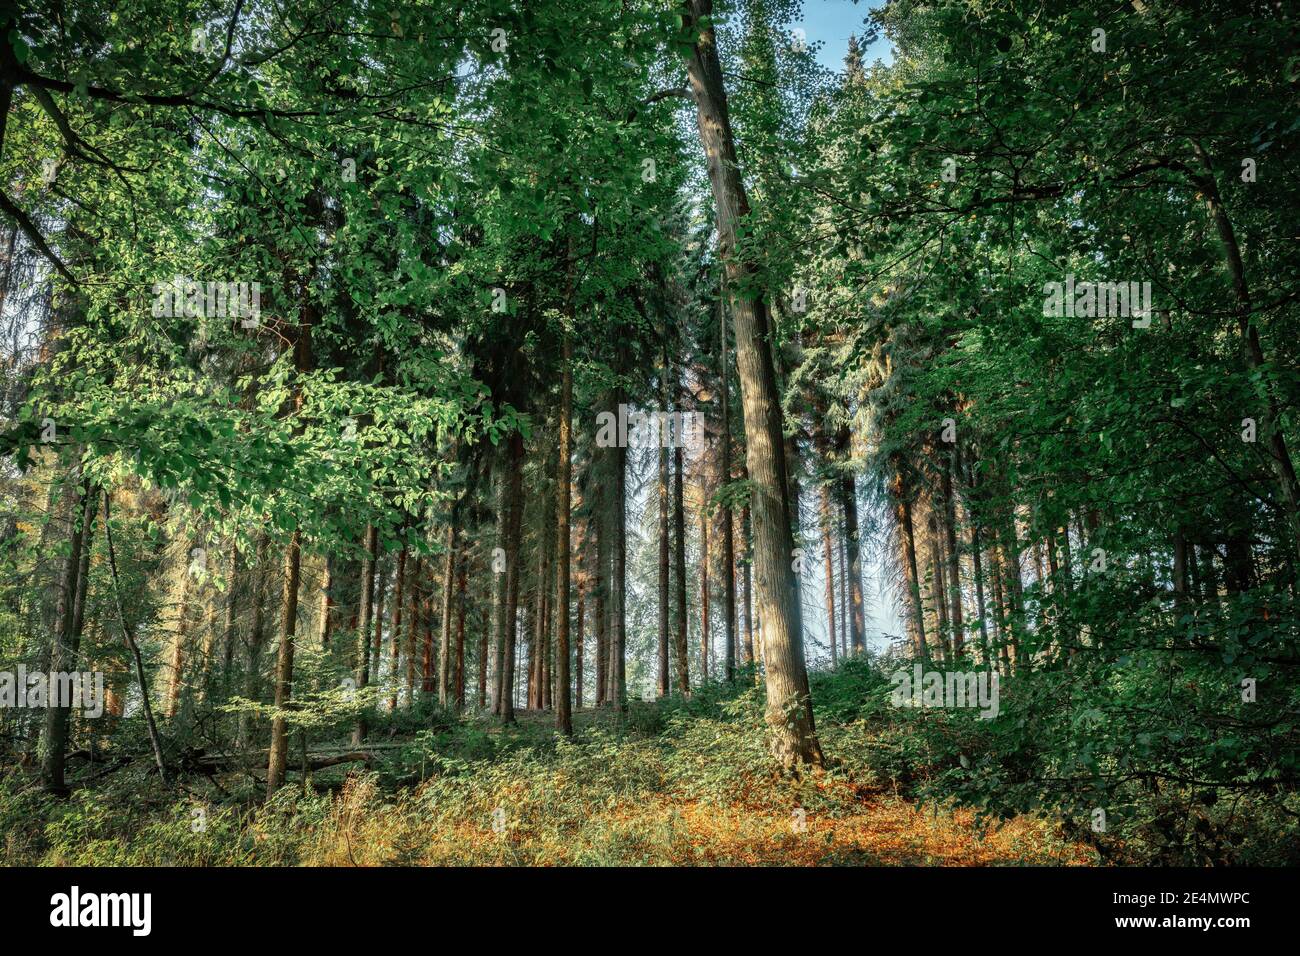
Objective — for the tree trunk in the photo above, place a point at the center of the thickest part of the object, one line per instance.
(953, 577)
(256, 641)
(704, 596)
(602, 619)
(284, 664)
(938, 596)
(445, 674)
(381, 596)
(853, 554)
(664, 579)
(326, 603)
(63, 656)
(902, 502)
(176, 664)
(724, 477)
(748, 562)
(365, 604)
(828, 554)
(513, 506)
(665, 507)
(579, 650)
(460, 633)
(680, 647)
(414, 605)
(617, 685)
(563, 556)
(789, 704)
(234, 577)
(302, 361)
(395, 638)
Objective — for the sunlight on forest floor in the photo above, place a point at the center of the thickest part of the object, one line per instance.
(885, 832)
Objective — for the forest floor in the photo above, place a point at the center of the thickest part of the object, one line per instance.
(869, 826)
(676, 782)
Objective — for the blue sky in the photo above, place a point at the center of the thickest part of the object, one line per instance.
(831, 22)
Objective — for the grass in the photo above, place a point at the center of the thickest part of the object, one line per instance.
(671, 783)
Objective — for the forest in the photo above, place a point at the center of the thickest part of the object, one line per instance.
(649, 432)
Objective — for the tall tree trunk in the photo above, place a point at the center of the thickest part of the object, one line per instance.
(381, 596)
(705, 645)
(1000, 616)
(680, 647)
(461, 582)
(748, 562)
(234, 577)
(828, 554)
(499, 563)
(976, 548)
(1010, 562)
(365, 605)
(256, 640)
(326, 603)
(903, 503)
(445, 673)
(789, 703)
(664, 579)
(938, 596)
(513, 505)
(483, 644)
(602, 584)
(617, 688)
(63, 655)
(953, 576)
(395, 638)
(414, 591)
(563, 556)
(176, 664)
(579, 650)
(303, 362)
(724, 477)
(665, 507)
(275, 767)
(844, 587)
(853, 554)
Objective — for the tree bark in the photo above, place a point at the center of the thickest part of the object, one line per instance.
(445, 674)
(395, 638)
(564, 496)
(63, 655)
(513, 504)
(365, 603)
(789, 704)
(617, 687)
(828, 555)
(903, 504)
(680, 647)
(724, 477)
(953, 576)
(275, 767)
(705, 644)
(460, 632)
